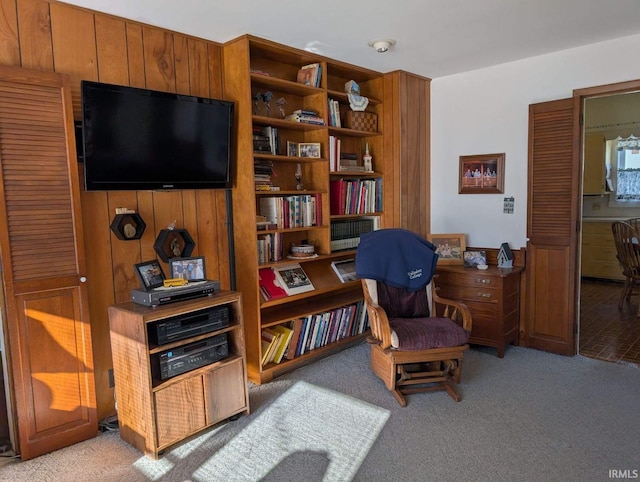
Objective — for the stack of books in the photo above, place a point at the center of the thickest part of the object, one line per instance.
(262, 172)
(306, 117)
(265, 139)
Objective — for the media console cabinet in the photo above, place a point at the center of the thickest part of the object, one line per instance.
(157, 410)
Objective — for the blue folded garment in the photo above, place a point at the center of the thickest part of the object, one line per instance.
(397, 257)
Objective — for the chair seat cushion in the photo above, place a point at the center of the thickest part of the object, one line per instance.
(411, 334)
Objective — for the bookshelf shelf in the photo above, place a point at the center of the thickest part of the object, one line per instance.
(342, 97)
(352, 132)
(253, 66)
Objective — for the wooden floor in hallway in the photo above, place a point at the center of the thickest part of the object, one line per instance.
(606, 332)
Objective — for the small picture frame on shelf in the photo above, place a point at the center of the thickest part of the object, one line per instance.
(309, 149)
(475, 258)
(192, 269)
(150, 274)
(292, 149)
(449, 247)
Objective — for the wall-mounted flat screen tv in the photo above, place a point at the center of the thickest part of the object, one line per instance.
(140, 139)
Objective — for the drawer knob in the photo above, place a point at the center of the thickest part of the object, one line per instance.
(484, 281)
(484, 295)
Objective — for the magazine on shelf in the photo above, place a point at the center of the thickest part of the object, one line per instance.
(269, 286)
(293, 279)
(345, 269)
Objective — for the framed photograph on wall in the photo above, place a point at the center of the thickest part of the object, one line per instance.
(481, 174)
(450, 247)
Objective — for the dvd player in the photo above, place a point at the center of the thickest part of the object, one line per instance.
(188, 325)
(162, 295)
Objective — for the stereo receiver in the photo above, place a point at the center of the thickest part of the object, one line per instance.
(185, 358)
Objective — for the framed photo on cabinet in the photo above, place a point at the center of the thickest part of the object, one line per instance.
(449, 247)
(481, 174)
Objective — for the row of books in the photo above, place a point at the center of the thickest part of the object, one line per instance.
(346, 234)
(303, 335)
(265, 139)
(284, 280)
(334, 113)
(310, 74)
(296, 211)
(355, 196)
(270, 248)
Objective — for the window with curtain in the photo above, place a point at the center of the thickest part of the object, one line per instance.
(627, 175)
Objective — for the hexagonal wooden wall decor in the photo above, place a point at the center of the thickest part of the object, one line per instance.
(173, 243)
(128, 226)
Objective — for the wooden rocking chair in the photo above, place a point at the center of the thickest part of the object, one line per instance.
(418, 339)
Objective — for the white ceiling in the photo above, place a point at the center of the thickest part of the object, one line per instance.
(434, 38)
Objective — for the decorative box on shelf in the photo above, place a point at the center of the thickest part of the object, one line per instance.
(362, 121)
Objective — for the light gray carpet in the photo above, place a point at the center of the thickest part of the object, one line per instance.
(531, 416)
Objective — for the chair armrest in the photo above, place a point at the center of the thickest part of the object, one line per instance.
(378, 320)
(456, 310)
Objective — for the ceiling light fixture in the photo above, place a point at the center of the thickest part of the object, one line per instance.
(382, 45)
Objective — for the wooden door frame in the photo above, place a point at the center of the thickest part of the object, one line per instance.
(579, 96)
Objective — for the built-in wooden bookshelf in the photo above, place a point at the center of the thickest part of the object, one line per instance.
(261, 78)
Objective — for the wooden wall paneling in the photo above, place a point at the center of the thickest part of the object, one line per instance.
(198, 67)
(168, 208)
(181, 64)
(146, 209)
(111, 49)
(124, 254)
(74, 47)
(135, 55)
(222, 244)
(207, 232)
(391, 125)
(214, 54)
(407, 164)
(190, 218)
(159, 59)
(9, 46)
(34, 27)
(219, 206)
(414, 159)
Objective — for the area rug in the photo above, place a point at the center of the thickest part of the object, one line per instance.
(306, 422)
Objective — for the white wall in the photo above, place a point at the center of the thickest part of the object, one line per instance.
(486, 111)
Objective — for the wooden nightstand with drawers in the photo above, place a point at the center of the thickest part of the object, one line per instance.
(492, 295)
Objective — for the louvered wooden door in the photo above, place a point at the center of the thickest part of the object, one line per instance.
(552, 218)
(46, 311)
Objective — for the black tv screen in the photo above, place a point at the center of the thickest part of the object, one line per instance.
(139, 139)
